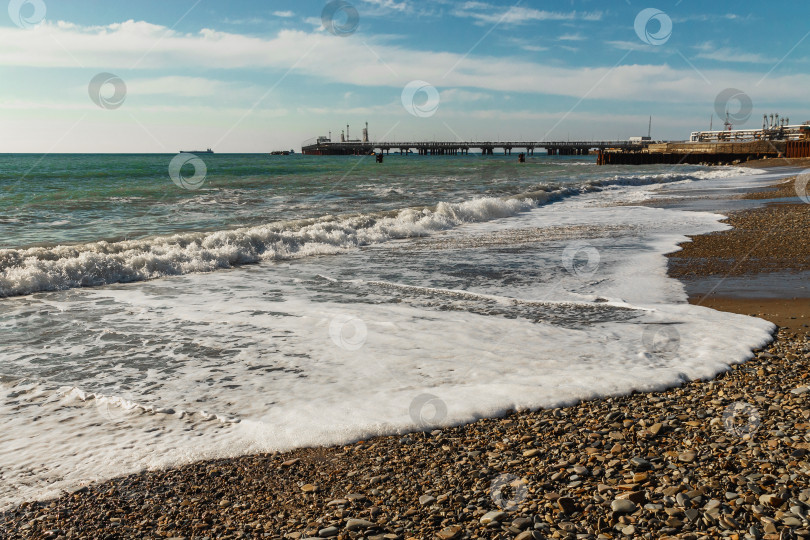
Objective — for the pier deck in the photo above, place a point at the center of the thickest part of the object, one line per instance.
(436, 148)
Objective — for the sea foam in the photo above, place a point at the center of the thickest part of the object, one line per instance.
(25, 271)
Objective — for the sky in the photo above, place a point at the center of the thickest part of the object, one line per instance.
(258, 76)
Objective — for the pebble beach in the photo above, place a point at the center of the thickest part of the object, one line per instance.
(722, 458)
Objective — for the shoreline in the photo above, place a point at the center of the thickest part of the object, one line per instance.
(766, 248)
(645, 464)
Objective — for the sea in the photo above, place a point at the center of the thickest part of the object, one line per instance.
(161, 309)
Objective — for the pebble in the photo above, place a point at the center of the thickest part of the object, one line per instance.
(640, 464)
(359, 524)
(771, 499)
(567, 505)
(450, 533)
(427, 500)
(687, 457)
(494, 515)
(623, 506)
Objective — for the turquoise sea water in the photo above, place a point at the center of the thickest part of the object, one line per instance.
(82, 198)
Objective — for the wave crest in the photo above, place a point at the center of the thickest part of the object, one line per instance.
(25, 271)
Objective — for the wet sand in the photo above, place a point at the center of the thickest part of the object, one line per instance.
(791, 314)
(765, 258)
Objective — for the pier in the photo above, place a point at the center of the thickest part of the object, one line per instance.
(325, 147)
(777, 138)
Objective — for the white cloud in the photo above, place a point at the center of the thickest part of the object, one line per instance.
(218, 112)
(180, 86)
(250, 20)
(704, 17)
(390, 4)
(727, 54)
(284, 14)
(526, 44)
(533, 48)
(636, 46)
(457, 95)
(572, 37)
(121, 47)
(315, 22)
(731, 55)
(485, 13)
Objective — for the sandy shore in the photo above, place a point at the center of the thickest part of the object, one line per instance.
(720, 458)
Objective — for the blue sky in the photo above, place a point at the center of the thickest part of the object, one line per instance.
(258, 76)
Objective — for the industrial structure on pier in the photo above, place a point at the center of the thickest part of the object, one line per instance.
(773, 129)
(324, 146)
(777, 138)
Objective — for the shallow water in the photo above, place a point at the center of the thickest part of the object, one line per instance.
(425, 292)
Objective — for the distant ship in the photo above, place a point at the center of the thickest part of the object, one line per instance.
(208, 151)
(282, 152)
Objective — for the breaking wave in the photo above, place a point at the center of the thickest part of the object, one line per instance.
(25, 271)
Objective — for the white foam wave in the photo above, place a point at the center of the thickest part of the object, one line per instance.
(25, 271)
(62, 267)
(115, 406)
(672, 176)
